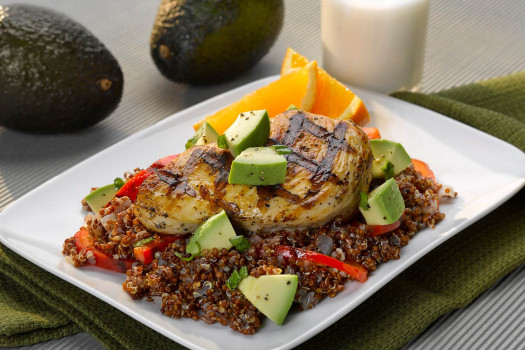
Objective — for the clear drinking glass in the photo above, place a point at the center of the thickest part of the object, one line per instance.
(375, 44)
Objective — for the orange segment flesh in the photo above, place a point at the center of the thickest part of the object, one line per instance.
(333, 99)
(297, 88)
(291, 61)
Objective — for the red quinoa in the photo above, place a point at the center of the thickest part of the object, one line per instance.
(197, 289)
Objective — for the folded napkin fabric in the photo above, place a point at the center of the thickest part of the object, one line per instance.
(36, 306)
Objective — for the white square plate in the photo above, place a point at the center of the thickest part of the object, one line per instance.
(485, 171)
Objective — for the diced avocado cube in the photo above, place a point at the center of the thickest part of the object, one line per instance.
(213, 233)
(250, 129)
(385, 151)
(271, 294)
(101, 196)
(385, 204)
(258, 166)
(292, 108)
(204, 135)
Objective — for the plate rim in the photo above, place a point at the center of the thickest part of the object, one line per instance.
(247, 87)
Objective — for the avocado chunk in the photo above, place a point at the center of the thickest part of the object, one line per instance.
(55, 75)
(271, 294)
(204, 135)
(386, 151)
(101, 196)
(213, 233)
(258, 166)
(250, 129)
(385, 204)
(205, 42)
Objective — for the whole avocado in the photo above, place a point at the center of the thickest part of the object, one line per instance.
(207, 41)
(55, 76)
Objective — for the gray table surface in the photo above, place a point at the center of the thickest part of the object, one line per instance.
(468, 40)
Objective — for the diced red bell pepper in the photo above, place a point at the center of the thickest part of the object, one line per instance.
(380, 229)
(371, 132)
(131, 188)
(162, 162)
(146, 252)
(84, 241)
(353, 269)
(424, 169)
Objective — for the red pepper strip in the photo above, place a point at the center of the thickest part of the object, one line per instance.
(371, 132)
(380, 229)
(353, 269)
(146, 252)
(162, 162)
(131, 187)
(84, 241)
(424, 169)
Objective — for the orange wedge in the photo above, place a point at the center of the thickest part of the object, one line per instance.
(333, 99)
(291, 61)
(297, 88)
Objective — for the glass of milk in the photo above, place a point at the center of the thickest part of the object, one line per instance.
(375, 44)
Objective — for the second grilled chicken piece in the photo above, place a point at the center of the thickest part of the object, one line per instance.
(329, 166)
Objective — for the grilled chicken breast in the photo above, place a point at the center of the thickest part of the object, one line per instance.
(329, 165)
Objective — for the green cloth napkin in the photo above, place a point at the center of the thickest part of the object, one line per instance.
(36, 306)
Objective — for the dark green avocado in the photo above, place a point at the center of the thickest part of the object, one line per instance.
(208, 41)
(55, 76)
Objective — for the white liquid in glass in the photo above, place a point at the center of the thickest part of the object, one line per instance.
(376, 44)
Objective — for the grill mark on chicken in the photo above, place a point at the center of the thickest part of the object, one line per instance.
(220, 162)
(336, 141)
(218, 201)
(302, 161)
(294, 127)
(321, 172)
(265, 193)
(176, 182)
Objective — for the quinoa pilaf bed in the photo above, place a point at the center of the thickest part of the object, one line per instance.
(198, 288)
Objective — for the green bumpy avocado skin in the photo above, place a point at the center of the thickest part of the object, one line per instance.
(55, 75)
(204, 42)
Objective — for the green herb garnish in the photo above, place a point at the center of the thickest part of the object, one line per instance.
(234, 280)
(292, 107)
(240, 243)
(222, 142)
(191, 142)
(144, 241)
(388, 168)
(236, 277)
(363, 202)
(193, 248)
(118, 182)
(243, 272)
(184, 258)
